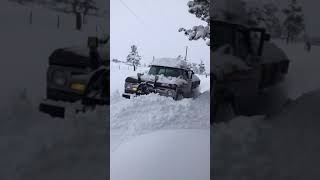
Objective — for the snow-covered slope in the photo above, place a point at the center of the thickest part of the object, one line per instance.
(166, 154)
(281, 146)
(150, 127)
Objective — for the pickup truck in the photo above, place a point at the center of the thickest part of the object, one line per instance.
(167, 77)
(77, 78)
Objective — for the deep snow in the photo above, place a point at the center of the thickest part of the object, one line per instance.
(166, 154)
(280, 146)
(150, 134)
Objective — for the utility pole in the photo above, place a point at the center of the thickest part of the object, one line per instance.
(185, 58)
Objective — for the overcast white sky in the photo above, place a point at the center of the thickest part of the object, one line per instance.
(154, 30)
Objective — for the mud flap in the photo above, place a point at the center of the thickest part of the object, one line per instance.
(52, 110)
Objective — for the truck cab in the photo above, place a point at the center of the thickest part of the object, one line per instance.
(243, 63)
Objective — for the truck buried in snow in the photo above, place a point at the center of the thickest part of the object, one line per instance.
(167, 77)
(77, 78)
(243, 64)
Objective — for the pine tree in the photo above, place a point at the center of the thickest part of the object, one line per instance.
(264, 15)
(202, 68)
(195, 68)
(134, 57)
(294, 20)
(200, 8)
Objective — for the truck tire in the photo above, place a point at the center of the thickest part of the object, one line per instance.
(178, 96)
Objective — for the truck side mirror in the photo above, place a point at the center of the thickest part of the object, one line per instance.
(190, 74)
(139, 76)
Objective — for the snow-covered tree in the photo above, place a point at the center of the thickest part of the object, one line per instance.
(294, 20)
(202, 68)
(134, 57)
(200, 8)
(264, 14)
(194, 67)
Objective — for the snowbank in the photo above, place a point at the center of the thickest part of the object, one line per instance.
(171, 155)
(146, 114)
(303, 68)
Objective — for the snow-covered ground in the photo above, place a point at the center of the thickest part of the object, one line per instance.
(281, 146)
(25, 133)
(167, 154)
(156, 130)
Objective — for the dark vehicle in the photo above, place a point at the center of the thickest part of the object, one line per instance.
(243, 64)
(176, 81)
(77, 78)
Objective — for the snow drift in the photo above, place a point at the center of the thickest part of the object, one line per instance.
(166, 154)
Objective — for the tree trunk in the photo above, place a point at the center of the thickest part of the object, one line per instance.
(58, 22)
(78, 21)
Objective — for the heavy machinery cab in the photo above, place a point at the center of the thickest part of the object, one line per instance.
(243, 40)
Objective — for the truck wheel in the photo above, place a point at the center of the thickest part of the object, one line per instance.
(179, 96)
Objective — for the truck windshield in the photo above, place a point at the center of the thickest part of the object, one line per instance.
(166, 71)
(222, 35)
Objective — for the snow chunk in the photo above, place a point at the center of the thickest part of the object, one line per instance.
(164, 79)
(170, 62)
(224, 63)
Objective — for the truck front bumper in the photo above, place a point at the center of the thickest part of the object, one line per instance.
(52, 108)
(59, 108)
(161, 92)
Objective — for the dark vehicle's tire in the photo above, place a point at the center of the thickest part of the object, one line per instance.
(178, 96)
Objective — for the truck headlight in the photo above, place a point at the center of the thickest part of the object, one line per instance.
(131, 86)
(78, 87)
(170, 93)
(59, 78)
